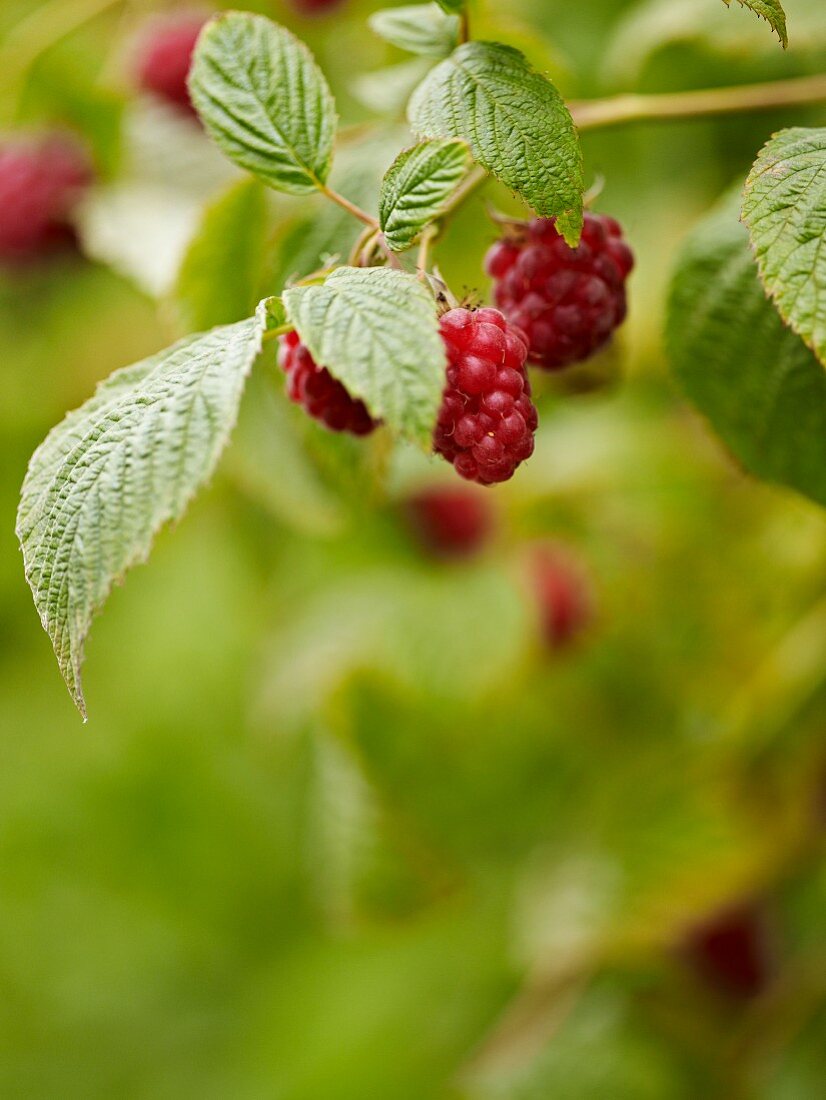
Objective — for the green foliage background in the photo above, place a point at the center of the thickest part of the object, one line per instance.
(337, 828)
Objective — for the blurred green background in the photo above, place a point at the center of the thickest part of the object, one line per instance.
(338, 826)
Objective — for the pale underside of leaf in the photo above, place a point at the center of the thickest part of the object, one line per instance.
(515, 123)
(117, 469)
(784, 207)
(758, 384)
(416, 187)
(423, 29)
(264, 101)
(771, 11)
(375, 330)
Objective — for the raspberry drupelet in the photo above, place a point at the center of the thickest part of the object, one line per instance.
(568, 301)
(165, 58)
(487, 420)
(320, 395)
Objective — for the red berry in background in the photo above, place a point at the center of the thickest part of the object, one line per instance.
(321, 395)
(41, 182)
(451, 521)
(731, 952)
(487, 420)
(165, 57)
(568, 301)
(315, 7)
(562, 596)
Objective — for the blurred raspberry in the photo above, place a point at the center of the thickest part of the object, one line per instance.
(487, 420)
(568, 301)
(562, 595)
(451, 522)
(731, 951)
(321, 395)
(41, 182)
(315, 7)
(165, 57)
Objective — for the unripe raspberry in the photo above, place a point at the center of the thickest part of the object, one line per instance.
(568, 301)
(40, 184)
(562, 595)
(321, 395)
(451, 522)
(165, 58)
(731, 952)
(487, 420)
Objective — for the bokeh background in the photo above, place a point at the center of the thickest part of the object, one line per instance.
(341, 826)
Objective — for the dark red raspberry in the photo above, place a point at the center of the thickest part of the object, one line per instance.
(731, 951)
(40, 184)
(567, 300)
(315, 7)
(321, 395)
(487, 419)
(562, 594)
(165, 57)
(451, 522)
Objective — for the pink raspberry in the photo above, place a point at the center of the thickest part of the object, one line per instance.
(321, 395)
(40, 184)
(487, 420)
(165, 58)
(568, 301)
(451, 521)
(562, 596)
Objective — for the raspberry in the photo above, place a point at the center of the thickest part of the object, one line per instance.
(567, 300)
(487, 419)
(40, 184)
(165, 58)
(450, 522)
(562, 596)
(321, 395)
(315, 7)
(731, 952)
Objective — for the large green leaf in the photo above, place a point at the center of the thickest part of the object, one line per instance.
(515, 122)
(784, 206)
(416, 187)
(756, 381)
(771, 11)
(376, 331)
(264, 101)
(418, 28)
(232, 239)
(108, 477)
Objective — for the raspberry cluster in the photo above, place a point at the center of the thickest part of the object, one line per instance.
(40, 184)
(451, 521)
(568, 301)
(487, 419)
(321, 395)
(165, 58)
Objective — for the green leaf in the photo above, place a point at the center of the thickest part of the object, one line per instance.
(264, 100)
(376, 331)
(416, 187)
(230, 239)
(117, 469)
(420, 28)
(756, 381)
(515, 122)
(453, 7)
(784, 206)
(771, 11)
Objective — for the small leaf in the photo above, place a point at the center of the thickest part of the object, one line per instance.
(416, 187)
(230, 239)
(107, 478)
(771, 11)
(515, 122)
(453, 7)
(376, 331)
(420, 28)
(756, 381)
(784, 206)
(264, 101)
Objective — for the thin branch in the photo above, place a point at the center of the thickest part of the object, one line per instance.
(350, 207)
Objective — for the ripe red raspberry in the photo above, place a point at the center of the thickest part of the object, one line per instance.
(165, 57)
(567, 300)
(731, 951)
(451, 522)
(562, 596)
(40, 184)
(487, 419)
(321, 395)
